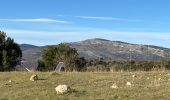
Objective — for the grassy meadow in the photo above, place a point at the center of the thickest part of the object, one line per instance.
(154, 85)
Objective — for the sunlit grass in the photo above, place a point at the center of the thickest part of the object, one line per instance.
(87, 85)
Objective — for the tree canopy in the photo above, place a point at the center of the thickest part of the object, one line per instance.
(52, 55)
(10, 53)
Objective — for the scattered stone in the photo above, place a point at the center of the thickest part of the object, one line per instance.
(147, 78)
(134, 76)
(114, 86)
(128, 84)
(159, 79)
(61, 89)
(10, 81)
(34, 77)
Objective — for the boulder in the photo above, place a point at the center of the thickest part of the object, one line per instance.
(134, 76)
(114, 86)
(128, 84)
(34, 77)
(61, 89)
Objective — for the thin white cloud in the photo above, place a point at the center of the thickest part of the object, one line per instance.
(37, 20)
(101, 18)
(98, 18)
(106, 18)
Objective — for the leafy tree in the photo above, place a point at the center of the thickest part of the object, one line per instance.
(48, 56)
(80, 63)
(52, 55)
(2, 41)
(5, 60)
(41, 66)
(67, 55)
(10, 53)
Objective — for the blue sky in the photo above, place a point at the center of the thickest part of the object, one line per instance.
(42, 22)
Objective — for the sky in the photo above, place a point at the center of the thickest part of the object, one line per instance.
(48, 22)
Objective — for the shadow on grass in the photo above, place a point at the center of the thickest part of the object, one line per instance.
(41, 79)
(54, 74)
(75, 93)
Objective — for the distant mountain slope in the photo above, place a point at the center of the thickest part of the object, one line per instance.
(31, 52)
(101, 48)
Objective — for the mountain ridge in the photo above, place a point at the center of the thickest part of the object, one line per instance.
(107, 49)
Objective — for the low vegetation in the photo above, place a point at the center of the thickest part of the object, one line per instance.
(153, 85)
(117, 66)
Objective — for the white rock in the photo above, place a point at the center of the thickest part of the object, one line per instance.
(159, 79)
(34, 77)
(62, 89)
(10, 81)
(133, 75)
(128, 84)
(114, 86)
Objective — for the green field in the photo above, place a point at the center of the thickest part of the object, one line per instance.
(86, 85)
